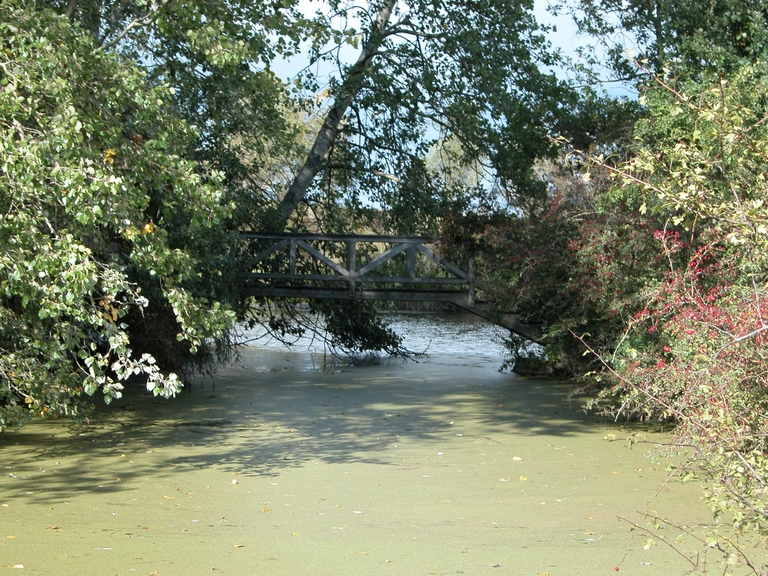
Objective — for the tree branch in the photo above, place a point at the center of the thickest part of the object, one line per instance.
(70, 13)
(327, 133)
(135, 23)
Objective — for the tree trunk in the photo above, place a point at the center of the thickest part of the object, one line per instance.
(327, 134)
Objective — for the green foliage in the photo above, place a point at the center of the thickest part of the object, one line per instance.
(98, 203)
(697, 350)
(688, 36)
(709, 142)
(467, 73)
(576, 263)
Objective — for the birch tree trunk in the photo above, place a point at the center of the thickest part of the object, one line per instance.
(327, 133)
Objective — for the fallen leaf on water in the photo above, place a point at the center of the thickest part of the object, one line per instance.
(650, 543)
(589, 518)
(294, 533)
(52, 528)
(17, 566)
(523, 478)
(169, 497)
(239, 545)
(4, 505)
(614, 472)
(363, 553)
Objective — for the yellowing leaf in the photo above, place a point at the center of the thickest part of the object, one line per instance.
(650, 543)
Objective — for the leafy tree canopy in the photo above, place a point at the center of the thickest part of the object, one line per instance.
(96, 195)
(426, 73)
(686, 35)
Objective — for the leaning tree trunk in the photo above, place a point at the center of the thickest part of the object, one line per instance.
(325, 137)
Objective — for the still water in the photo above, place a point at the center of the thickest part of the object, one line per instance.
(440, 466)
(434, 335)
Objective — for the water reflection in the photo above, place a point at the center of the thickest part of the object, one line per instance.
(436, 334)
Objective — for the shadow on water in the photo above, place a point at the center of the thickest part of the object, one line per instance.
(256, 422)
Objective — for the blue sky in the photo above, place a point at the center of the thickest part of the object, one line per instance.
(565, 37)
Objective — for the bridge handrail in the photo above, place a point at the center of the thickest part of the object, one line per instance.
(350, 273)
(341, 237)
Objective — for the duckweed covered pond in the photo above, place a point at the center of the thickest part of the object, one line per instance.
(444, 466)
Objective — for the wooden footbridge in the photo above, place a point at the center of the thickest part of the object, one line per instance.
(367, 267)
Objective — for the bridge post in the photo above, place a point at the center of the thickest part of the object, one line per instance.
(471, 295)
(352, 266)
(292, 257)
(410, 261)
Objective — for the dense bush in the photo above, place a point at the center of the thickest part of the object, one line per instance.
(702, 166)
(101, 219)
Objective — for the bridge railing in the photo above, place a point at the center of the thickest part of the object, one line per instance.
(365, 266)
